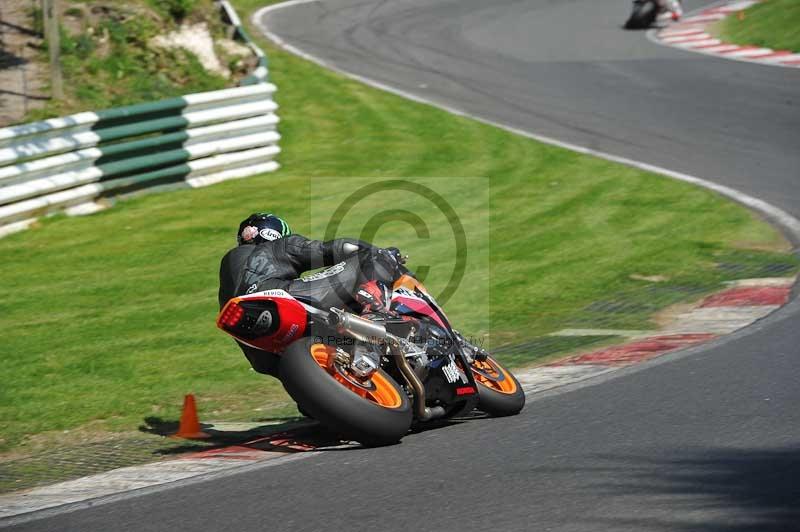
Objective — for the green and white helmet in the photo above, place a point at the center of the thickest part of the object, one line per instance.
(262, 227)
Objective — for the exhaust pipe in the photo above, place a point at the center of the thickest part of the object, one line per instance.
(374, 333)
(424, 413)
(360, 328)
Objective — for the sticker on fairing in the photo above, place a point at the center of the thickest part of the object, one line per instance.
(271, 293)
(290, 334)
(405, 292)
(453, 373)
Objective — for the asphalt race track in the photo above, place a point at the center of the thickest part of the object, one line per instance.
(566, 70)
(701, 440)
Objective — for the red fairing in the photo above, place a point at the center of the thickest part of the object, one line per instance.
(292, 320)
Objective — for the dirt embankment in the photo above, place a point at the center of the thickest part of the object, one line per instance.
(114, 53)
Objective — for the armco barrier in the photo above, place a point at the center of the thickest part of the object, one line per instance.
(76, 162)
(260, 73)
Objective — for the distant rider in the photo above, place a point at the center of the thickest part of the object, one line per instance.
(268, 256)
(673, 6)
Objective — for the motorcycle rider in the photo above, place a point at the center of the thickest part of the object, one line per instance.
(268, 256)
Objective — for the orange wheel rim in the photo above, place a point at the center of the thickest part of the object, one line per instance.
(492, 375)
(377, 388)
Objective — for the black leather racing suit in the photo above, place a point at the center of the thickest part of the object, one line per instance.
(251, 268)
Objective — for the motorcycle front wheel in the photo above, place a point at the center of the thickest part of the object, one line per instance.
(499, 392)
(373, 412)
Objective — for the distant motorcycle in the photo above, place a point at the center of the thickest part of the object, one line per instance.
(645, 12)
(367, 377)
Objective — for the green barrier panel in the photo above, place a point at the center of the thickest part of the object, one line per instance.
(142, 128)
(114, 152)
(153, 160)
(139, 111)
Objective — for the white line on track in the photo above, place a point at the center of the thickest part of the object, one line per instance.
(105, 494)
(707, 43)
(782, 57)
(705, 18)
(685, 38)
(718, 49)
(678, 33)
(750, 52)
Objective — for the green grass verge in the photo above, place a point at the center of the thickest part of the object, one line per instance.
(108, 319)
(773, 24)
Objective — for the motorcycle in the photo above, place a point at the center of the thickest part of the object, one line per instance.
(369, 377)
(645, 12)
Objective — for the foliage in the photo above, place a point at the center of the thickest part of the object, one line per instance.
(110, 60)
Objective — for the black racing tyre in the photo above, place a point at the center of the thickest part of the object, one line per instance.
(643, 15)
(374, 413)
(499, 392)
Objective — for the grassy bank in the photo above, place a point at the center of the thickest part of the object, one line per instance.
(109, 57)
(773, 24)
(108, 319)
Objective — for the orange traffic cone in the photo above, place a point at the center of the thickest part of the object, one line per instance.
(190, 425)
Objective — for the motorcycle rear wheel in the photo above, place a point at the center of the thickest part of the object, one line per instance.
(373, 412)
(499, 391)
